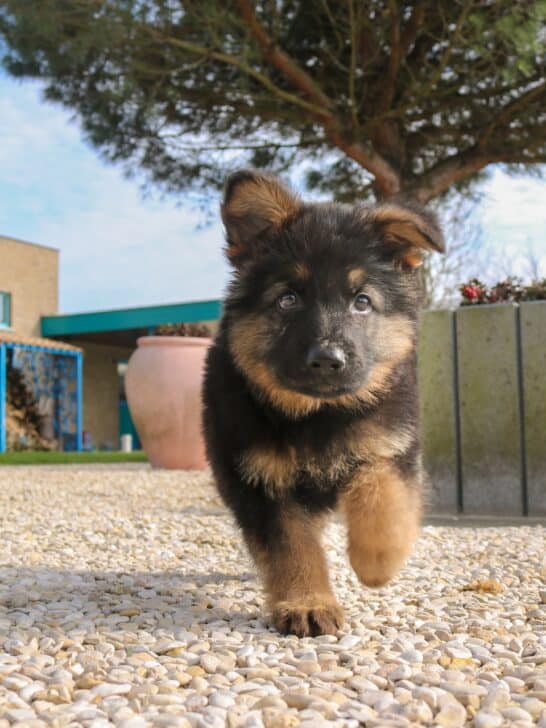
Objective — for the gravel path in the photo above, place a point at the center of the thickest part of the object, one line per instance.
(126, 599)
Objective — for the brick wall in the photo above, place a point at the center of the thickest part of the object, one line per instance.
(31, 274)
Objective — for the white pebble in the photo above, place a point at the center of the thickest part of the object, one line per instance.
(486, 719)
(105, 689)
(339, 674)
(402, 672)
(209, 663)
(451, 716)
(136, 722)
(221, 699)
(349, 641)
(516, 714)
(458, 651)
(533, 706)
(412, 656)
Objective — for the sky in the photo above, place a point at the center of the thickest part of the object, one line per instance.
(121, 248)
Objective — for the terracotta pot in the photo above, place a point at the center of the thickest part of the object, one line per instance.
(163, 385)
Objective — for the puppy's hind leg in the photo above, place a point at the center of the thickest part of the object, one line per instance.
(383, 513)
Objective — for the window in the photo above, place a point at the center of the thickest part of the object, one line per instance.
(5, 310)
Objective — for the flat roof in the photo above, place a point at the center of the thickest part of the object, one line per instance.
(123, 319)
(27, 242)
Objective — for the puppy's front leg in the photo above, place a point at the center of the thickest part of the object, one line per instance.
(383, 512)
(289, 554)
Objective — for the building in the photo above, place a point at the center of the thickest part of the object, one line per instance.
(99, 344)
(40, 379)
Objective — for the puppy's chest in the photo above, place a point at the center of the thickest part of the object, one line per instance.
(286, 462)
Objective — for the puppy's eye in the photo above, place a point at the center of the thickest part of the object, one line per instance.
(287, 301)
(362, 303)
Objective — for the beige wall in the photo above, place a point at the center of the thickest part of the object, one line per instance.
(31, 274)
(100, 392)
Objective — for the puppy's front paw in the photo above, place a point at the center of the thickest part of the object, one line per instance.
(311, 617)
(377, 568)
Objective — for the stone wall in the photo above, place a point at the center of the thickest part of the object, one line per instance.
(482, 376)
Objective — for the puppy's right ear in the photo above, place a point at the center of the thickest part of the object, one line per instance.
(254, 203)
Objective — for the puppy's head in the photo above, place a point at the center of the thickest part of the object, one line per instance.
(323, 304)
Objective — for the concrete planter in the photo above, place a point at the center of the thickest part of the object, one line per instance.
(163, 385)
(482, 377)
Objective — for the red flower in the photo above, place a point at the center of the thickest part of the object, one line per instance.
(471, 292)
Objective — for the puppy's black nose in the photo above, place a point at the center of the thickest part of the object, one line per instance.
(326, 359)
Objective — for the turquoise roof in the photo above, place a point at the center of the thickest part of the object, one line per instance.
(130, 318)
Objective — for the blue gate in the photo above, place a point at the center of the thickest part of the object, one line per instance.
(53, 375)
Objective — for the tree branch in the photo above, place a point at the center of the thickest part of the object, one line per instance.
(387, 179)
(452, 40)
(454, 169)
(446, 173)
(281, 60)
(352, 69)
(229, 147)
(409, 34)
(389, 83)
(242, 66)
(510, 109)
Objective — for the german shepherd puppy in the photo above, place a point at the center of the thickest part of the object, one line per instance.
(310, 389)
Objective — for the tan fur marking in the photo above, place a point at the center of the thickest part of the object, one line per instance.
(356, 277)
(302, 572)
(249, 340)
(407, 228)
(295, 576)
(395, 338)
(234, 250)
(383, 513)
(301, 272)
(289, 402)
(407, 231)
(263, 197)
(376, 294)
(413, 259)
(275, 469)
(332, 466)
(275, 290)
(278, 470)
(388, 213)
(373, 442)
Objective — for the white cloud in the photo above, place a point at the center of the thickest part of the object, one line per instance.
(513, 212)
(510, 201)
(117, 248)
(124, 251)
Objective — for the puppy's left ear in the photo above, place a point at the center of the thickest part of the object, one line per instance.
(406, 232)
